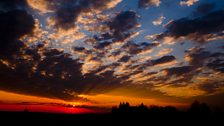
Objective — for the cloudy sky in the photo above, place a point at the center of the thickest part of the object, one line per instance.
(101, 52)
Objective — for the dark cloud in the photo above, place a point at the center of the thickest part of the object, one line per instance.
(120, 28)
(41, 71)
(131, 48)
(81, 50)
(6, 5)
(199, 29)
(180, 82)
(197, 56)
(104, 36)
(67, 11)
(44, 81)
(14, 23)
(123, 22)
(217, 65)
(211, 86)
(124, 59)
(185, 74)
(162, 60)
(102, 45)
(146, 45)
(52, 76)
(151, 45)
(56, 75)
(141, 67)
(204, 8)
(217, 55)
(67, 16)
(179, 70)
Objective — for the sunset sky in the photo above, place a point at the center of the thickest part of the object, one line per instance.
(78, 56)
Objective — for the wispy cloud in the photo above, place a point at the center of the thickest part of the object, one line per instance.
(158, 21)
(188, 2)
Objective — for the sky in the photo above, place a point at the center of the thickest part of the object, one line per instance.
(82, 55)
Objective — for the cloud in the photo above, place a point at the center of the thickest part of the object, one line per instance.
(204, 8)
(194, 29)
(193, 80)
(67, 16)
(123, 22)
(179, 70)
(211, 87)
(14, 23)
(131, 48)
(53, 73)
(148, 3)
(90, 64)
(163, 52)
(38, 70)
(217, 65)
(147, 45)
(6, 5)
(181, 91)
(158, 21)
(124, 59)
(162, 60)
(67, 12)
(55, 76)
(196, 56)
(188, 2)
(120, 28)
(199, 59)
(102, 45)
(41, 5)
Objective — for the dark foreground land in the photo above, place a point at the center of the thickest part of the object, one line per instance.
(124, 115)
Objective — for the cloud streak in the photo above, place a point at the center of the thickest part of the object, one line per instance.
(188, 2)
(194, 29)
(148, 3)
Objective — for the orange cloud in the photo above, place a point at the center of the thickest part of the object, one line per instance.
(188, 2)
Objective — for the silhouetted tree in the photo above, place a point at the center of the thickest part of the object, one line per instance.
(170, 109)
(155, 109)
(199, 108)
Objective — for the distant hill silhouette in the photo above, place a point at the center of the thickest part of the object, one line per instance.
(196, 108)
(198, 113)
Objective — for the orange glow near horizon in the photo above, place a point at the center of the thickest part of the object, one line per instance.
(17, 102)
(9, 97)
(105, 100)
(97, 103)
